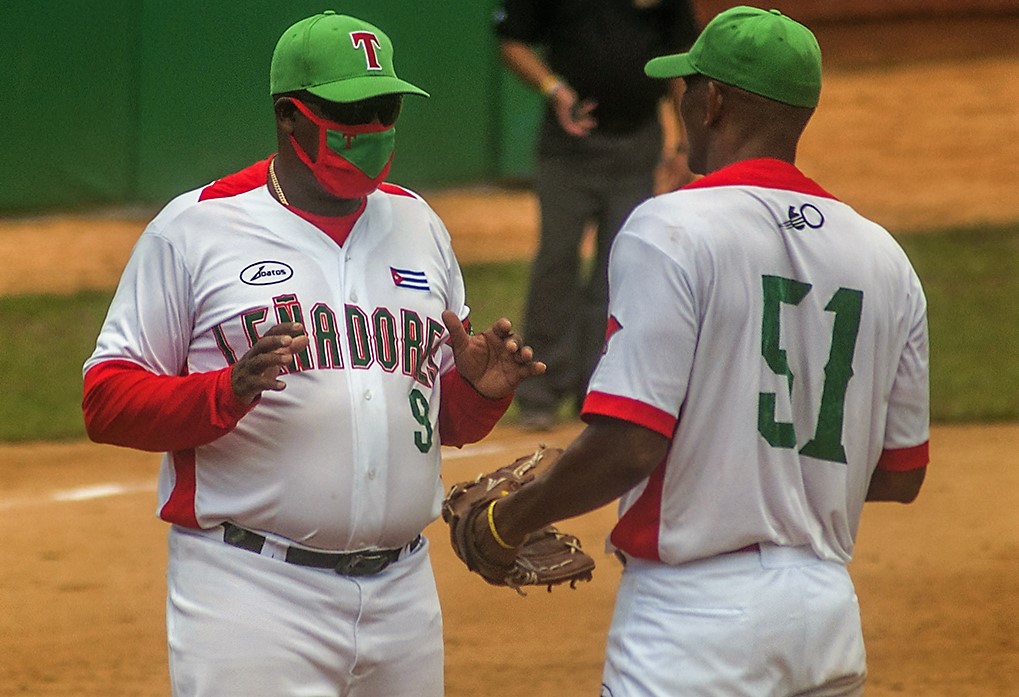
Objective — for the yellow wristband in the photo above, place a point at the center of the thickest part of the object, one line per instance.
(491, 528)
(550, 84)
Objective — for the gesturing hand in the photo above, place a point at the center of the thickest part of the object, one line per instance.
(495, 361)
(259, 369)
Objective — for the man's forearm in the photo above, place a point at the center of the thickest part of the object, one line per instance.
(903, 487)
(526, 64)
(608, 459)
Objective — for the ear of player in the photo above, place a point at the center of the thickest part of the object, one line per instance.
(546, 557)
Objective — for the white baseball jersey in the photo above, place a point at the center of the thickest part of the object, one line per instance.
(347, 456)
(780, 339)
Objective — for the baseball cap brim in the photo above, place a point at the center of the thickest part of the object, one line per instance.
(759, 51)
(356, 89)
(677, 65)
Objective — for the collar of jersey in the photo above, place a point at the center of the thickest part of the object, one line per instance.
(336, 227)
(763, 172)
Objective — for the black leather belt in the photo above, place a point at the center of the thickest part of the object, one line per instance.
(366, 563)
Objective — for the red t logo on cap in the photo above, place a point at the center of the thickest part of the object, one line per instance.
(369, 43)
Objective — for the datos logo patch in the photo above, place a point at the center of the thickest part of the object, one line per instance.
(266, 273)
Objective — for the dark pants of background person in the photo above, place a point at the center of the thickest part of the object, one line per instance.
(597, 179)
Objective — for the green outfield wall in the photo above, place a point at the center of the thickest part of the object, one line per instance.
(133, 101)
(111, 102)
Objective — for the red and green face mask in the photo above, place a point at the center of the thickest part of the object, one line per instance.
(352, 160)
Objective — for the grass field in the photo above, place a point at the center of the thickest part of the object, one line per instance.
(969, 275)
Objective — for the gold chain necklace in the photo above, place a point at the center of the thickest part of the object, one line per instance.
(276, 182)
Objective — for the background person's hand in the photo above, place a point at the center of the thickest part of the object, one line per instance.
(574, 115)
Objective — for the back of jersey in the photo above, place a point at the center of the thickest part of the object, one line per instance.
(789, 342)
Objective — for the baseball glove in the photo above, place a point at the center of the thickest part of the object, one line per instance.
(547, 556)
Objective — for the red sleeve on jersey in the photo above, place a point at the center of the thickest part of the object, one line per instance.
(631, 410)
(905, 459)
(249, 178)
(465, 415)
(125, 404)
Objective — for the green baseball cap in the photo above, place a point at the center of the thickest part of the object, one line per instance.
(761, 51)
(337, 58)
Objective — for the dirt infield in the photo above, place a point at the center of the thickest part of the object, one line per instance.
(82, 581)
(932, 140)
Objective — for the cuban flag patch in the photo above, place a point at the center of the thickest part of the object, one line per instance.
(405, 278)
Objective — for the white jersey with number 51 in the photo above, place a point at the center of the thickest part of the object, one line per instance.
(780, 339)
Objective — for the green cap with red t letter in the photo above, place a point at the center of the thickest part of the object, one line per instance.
(338, 58)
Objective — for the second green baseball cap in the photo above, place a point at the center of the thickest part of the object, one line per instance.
(760, 51)
(338, 58)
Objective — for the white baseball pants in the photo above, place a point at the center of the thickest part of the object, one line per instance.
(777, 622)
(244, 625)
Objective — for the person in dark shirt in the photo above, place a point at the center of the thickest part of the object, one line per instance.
(610, 138)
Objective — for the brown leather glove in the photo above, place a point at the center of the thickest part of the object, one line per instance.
(546, 557)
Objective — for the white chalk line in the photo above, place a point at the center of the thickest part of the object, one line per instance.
(83, 493)
(106, 490)
(99, 491)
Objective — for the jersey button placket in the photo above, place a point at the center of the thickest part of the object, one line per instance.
(371, 472)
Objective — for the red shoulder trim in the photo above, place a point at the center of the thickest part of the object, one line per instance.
(764, 172)
(396, 190)
(241, 182)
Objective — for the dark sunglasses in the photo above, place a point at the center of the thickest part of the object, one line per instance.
(385, 108)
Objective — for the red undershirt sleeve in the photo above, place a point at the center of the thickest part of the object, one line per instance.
(465, 415)
(127, 405)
